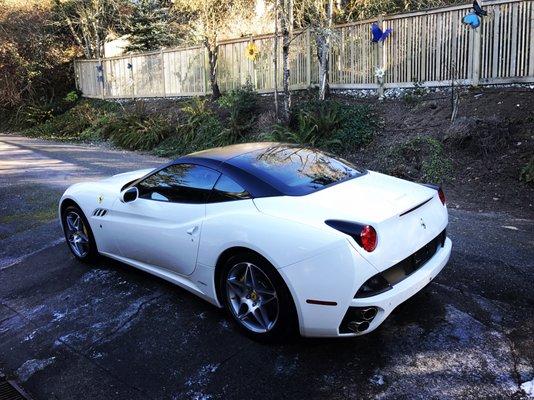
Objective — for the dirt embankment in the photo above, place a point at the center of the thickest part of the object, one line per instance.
(488, 144)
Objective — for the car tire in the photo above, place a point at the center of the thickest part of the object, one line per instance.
(250, 302)
(79, 236)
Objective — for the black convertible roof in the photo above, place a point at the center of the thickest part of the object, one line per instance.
(278, 173)
(218, 158)
(226, 153)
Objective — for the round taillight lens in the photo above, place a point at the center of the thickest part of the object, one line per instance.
(441, 195)
(368, 238)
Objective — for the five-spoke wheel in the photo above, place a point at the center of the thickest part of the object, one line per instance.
(78, 233)
(257, 298)
(252, 297)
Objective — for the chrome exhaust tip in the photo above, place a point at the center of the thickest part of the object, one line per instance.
(358, 326)
(358, 319)
(369, 313)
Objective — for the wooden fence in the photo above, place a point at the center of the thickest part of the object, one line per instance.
(428, 48)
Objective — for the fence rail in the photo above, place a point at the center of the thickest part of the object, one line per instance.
(428, 48)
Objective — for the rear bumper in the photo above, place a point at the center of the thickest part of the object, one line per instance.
(336, 275)
(386, 302)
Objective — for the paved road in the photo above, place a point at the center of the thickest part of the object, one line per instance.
(69, 331)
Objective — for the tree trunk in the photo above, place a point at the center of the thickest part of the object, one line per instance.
(323, 40)
(285, 27)
(87, 38)
(322, 55)
(275, 65)
(213, 54)
(76, 37)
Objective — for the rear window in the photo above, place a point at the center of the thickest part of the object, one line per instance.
(296, 170)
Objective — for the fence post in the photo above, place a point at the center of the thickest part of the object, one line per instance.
(132, 77)
(380, 61)
(308, 57)
(162, 72)
(204, 66)
(102, 74)
(77, 75)
(475, 63)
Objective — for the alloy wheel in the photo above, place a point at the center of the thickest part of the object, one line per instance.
(77, 234)
(252, 297)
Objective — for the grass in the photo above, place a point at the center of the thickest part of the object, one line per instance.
(35, 205)
(26, 220)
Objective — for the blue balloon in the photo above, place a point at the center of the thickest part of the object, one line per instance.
(472, 20)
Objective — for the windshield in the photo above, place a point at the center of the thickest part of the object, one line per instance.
(296, 170)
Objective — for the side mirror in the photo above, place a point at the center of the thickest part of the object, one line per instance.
(129, 195)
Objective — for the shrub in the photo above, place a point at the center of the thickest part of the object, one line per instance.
(132, 133)
(201, 129)
(72, 97)
(414, 95)
(69, 125)
(34, 54)
(329, 124)
(241, 104)
(421, 157)
(31, 115)
(359, 126)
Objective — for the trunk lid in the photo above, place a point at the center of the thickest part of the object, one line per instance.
(406, 215)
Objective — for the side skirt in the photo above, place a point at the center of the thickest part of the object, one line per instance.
(202, 274)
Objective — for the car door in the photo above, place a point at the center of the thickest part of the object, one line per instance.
(162, 226)
(226, 221)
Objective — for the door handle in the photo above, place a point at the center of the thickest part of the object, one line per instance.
(192, 230)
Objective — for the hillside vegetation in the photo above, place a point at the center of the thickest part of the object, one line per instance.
(484, 156)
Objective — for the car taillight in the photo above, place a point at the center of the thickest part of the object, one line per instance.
(368, 238)
(441, 195)
(364, 235)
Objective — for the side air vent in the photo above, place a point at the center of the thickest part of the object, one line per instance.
(100, 212)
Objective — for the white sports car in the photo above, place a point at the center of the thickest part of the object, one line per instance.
(282, 236)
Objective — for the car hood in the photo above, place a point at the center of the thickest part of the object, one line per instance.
(120, 180)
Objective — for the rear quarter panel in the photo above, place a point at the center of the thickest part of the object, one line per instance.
(281, 241)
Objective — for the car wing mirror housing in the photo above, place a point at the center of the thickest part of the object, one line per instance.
(130, 194)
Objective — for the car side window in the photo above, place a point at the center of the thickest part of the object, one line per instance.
(179, 183)
(226, 189)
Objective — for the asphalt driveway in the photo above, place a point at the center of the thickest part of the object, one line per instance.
(69, 331)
